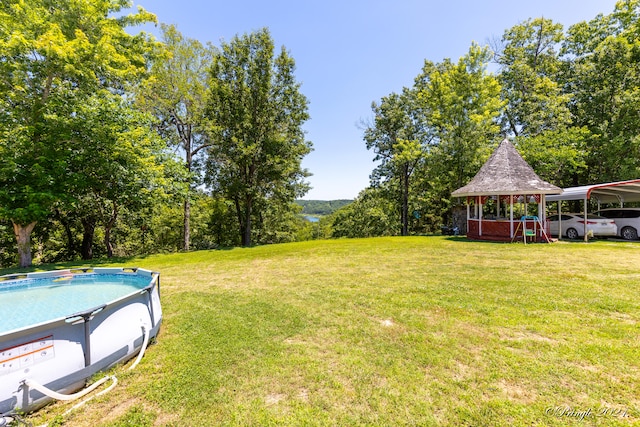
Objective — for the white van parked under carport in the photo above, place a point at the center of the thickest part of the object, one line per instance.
(573, 225)
(627, 220)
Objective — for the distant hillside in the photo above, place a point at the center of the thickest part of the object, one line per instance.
(321, 207)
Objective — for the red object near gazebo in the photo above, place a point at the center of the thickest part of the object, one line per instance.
(505, 180)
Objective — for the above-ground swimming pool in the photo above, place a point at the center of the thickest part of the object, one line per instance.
(58, 328)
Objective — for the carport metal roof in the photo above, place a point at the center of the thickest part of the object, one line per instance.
(612, 192)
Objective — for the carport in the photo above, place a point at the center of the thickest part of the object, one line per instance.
(620, 192)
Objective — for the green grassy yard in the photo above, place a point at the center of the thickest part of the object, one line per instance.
(418, 331)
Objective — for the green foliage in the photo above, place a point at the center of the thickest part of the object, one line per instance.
(603, 75)
(367, 216)
(318, 230)
(256, 111)
(575, 96)
(118, 164)
(175, 93)
(570, 99)
(463, 103)
(432, 139)
(553, 153)
(159, 229)
(530, 66)
(537, 110)
(7, 244)
(221, 224)
(399, 139)
(80, 166)
(277, 223)
(52, 61)
(321, 207)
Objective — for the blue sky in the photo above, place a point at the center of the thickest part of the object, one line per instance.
(350, 53)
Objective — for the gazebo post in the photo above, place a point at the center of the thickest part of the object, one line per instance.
(540, 216)
(480, 216)
(543, 213)
(511, 215)
(468, 213)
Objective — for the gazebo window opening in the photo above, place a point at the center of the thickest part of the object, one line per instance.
(490, 209)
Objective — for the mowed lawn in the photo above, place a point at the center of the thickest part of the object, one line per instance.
(416, 331)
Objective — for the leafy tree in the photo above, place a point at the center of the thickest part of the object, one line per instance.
(603, 76)
(556, 156)
(157, 227)
(256, 111)
(370, 215)
(308, 230)
(530, 66)
(53, 57)
(537, 110)
(461, 102)
(117, 166)
(278, 222)
(120, 164)
(220, 224)
(398, 138)
(175, 93)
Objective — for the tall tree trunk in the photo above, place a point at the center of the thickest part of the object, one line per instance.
(71, 244)
(246, 232)
(107, 241)
(244, 220)
(88, 227)
(23, 239)
(236, 201)
(187, 200)
(107, 231)
(187, 228)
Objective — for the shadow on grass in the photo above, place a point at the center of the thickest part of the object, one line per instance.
(467, 240)
(96, 262)
(67, 264)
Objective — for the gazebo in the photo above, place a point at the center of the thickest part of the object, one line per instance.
(505, 180)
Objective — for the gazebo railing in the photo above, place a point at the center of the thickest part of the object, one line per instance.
(503, 229)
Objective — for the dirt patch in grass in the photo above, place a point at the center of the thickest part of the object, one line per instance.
(518, 393)
(463, 372)
(274, 398)
(102, 411)
(508, 335)
(624, 318)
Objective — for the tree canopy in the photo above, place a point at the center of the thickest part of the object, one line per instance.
(175, 93)
(143, 145)
(568, 98)
(256, 112)
(54, 56)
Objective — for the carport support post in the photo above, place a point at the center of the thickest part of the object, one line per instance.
(559, 220)
(586, 238)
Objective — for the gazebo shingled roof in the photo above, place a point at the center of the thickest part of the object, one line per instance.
(505, 173)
